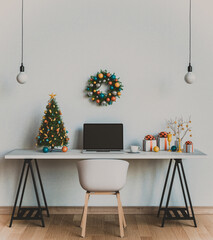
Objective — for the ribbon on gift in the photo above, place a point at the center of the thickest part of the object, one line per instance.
(165, 143)
(151, 145)
(187, 144)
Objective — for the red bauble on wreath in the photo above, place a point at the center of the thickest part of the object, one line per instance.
(104, 98)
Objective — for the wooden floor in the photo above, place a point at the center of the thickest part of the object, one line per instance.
(105, 227)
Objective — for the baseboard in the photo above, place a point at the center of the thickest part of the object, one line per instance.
(110, 210)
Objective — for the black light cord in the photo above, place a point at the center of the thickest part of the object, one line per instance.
(190, 31)
(22, 33)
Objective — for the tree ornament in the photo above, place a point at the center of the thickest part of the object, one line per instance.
(89, 94)
(100, 75)
(156, 149)
(117, 84)
(64, 149)
(174, 148)
(45, 149)
(104, 98)
(113, 77)
(102, 95)
(104, 103)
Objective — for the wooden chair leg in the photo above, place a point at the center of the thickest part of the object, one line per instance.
(120, 215)
(122, 211)
(84, 217)
(83, 214)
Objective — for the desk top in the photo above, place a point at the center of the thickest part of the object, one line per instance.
(77, 154)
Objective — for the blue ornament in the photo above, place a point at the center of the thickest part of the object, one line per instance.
(47, 140)
(101, 95)
(88, 89)
(95, 78)
(113, 77)
(174, 148)
(104, 76)
(38, 137)
(111, 87)
(110, 103)
(119, 89)
(59, 122)
(66, 131)
(45, 149)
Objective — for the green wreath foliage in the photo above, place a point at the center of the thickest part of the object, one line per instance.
(104, 98)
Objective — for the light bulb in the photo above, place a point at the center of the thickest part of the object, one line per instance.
(22, 76)
(189, 77)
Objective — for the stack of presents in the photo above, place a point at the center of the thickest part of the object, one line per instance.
(161, 141)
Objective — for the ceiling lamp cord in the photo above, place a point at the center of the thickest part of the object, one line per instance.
(190, 77)
(22, 76)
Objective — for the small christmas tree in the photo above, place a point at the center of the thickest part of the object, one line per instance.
(52, 132)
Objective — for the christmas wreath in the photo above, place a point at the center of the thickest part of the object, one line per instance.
(104, 98)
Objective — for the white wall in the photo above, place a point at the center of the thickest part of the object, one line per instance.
(142, 41)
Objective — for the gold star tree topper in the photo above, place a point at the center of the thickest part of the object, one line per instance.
(52, 95)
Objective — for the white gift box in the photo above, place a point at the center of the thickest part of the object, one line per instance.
(148, 145)
(163, 143)
(188, 148)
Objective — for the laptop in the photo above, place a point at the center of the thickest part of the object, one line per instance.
(103, 137)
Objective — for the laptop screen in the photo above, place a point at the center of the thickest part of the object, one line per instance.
(103, 136)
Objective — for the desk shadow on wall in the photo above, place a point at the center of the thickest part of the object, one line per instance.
(77, 138)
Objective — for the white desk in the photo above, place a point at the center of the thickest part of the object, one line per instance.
(169, 213)
(77, 154)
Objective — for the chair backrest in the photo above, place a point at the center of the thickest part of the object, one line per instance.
(107, 175)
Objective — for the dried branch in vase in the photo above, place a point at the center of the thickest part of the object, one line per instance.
(180, 127)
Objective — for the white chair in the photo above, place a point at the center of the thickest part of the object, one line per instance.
(103, 177)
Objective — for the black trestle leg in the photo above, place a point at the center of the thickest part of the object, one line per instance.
(169, 194)
(181, 182)
(164, 188)
(187, 190)
(23, 190)
(36, 192)
(17, 194)
(42, 188)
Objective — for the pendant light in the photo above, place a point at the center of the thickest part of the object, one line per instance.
(190, 77)
(22, 76)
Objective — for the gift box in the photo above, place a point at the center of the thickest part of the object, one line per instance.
(149, 143)
(188, 147)
(163, 143)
